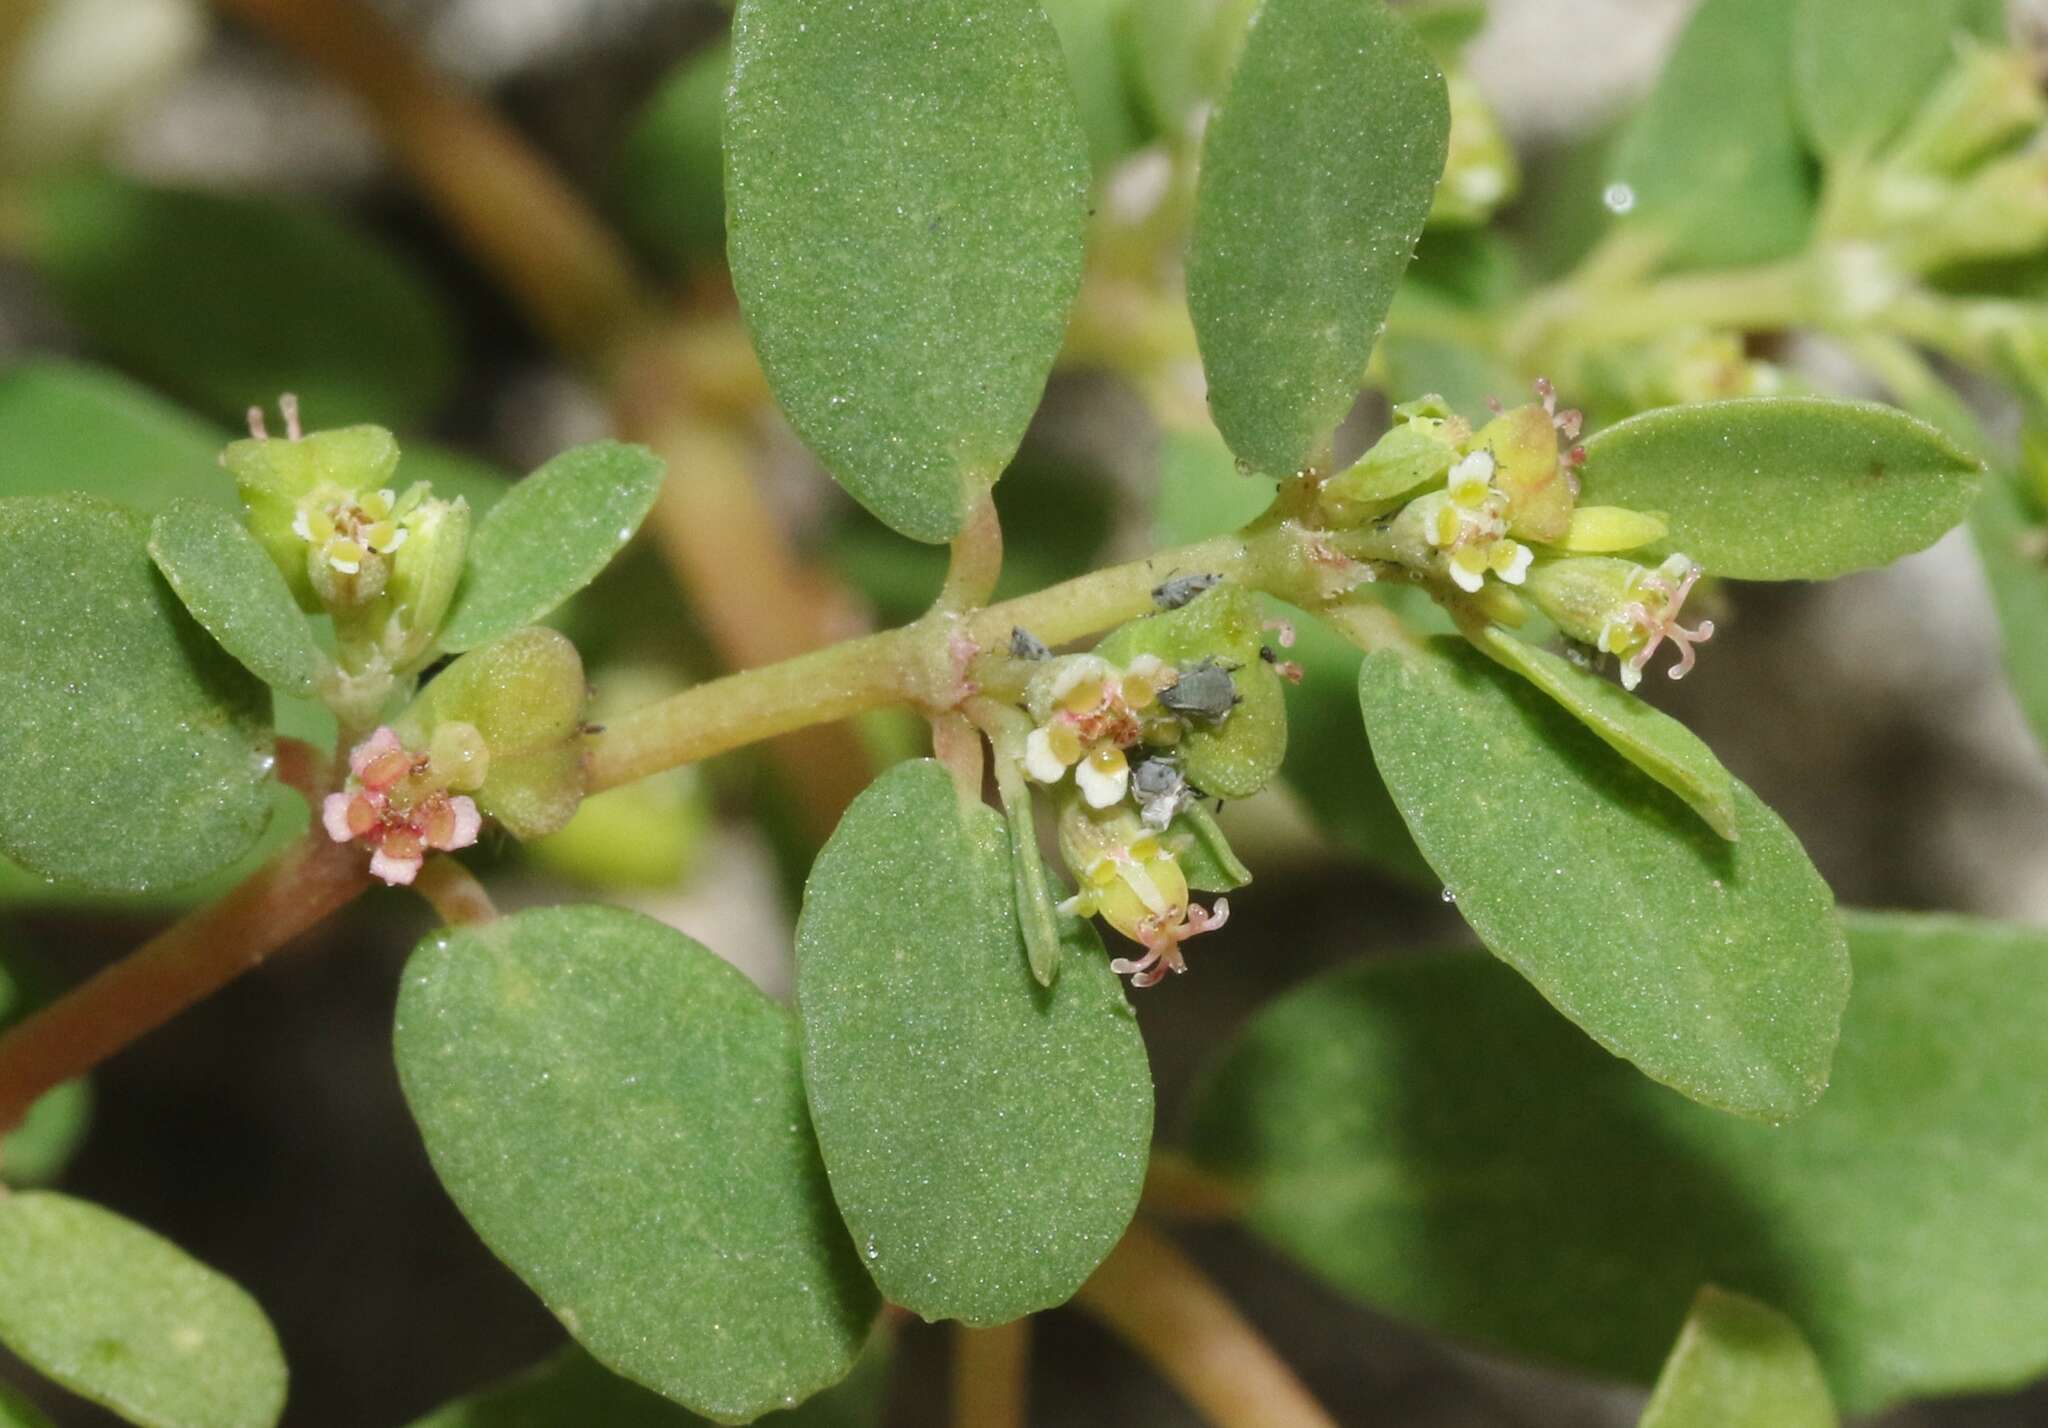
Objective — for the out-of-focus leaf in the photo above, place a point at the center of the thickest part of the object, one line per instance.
(1784, 488)
(1178, 55)
(1429, 1137)
(68, 427)
(670, 177)
(231, 587)
(986, 1136)
(137, 751)
(1716, 967)
(228, 300)
(549, 536)
(619, 1115)
(38, 1148)
(18, 1412)
(1201, 492)
(125, 1318)
(1739, 1363)
(907, 184)
(1317, 171)
(1713, 160)
(2011, 531)
(1089, 37)
(1860, 67)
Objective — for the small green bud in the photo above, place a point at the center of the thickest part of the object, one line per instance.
(1988, 99)
(522, 699)
(1603, 530)
(1129, 877)
(1480, 173)
(1539, 480)
(1621, 608)
(1416, 452)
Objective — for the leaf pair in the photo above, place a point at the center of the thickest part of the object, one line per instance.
(1427, 1136)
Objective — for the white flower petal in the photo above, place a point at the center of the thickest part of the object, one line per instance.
(1517, 568)
(334, 817)
(1102, 790)
(1475, 470)
(399, 872)
(1041, 764)
(1466, 580)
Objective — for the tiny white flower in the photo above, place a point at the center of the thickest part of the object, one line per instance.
(1515, 568)
(1104, 777)
(1040, 762)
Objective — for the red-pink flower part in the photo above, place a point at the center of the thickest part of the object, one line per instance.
(1162, 936)
(394, 806)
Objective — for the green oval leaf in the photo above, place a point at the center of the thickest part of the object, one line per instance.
(1860, 67)
(232, 587)
(2011, 531)
(1739, 1363)
(1647, 737)
(228, 300)
(1429, 1137)
(18, 1412)
(618, 1114)
(69, 428)
(125, 1318)
(1716, 967)
(986, 1137)
(670, 173)
(1713, 160)
(137, 752)
(907, 184)
(573, 1390)
(1317, 172)
(1784, 488)
(549, 536)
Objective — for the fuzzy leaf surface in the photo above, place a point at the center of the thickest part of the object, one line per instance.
(230, 585)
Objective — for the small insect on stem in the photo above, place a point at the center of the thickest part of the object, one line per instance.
(1179, 590)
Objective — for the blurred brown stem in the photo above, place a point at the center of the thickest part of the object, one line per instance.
(187, 962)
(1158, 1302)
(991, 1369)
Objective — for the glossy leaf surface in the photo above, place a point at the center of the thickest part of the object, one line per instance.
(1739, 1363)
(906, 183)
(1716, 967)
(549, 536)
(1429, 1137)
(125, 1318)
(1317, 171)
(229, 300)
(137, 751)
(230, 585)
(618, 1114)
(1713, 159)
(1784, 488)
(986, 1137)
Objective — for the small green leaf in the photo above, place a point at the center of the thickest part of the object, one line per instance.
(1317, 171)
(1860, 67)
(907, 183)
(1716, 967)
(618, 1114)
(68, 428)
(1446, 26)
(1647, 737)
(228, 300)
(1713, 160)
(1238, 757)
(137, 753)
(573, 1390)
(125, 1318)
(1428, 1137)
(2011, 531)
(1784, 488)
(232, 587)
(549, 536)
(1739, 1363)
(986, 1137)
(670, 174)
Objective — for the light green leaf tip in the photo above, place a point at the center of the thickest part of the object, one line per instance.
(986, 1137)
(1317, 172)
(550, 536)
(1784, 488)
(230, 585)
(1715, 966)
(618, 1114)
(125, 1318)
(137, 753)
(1739, 1363)
(907, 186)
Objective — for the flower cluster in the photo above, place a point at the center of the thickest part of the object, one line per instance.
(1132, 878)
(1622, 608)
(1468, 523)
(398, 804)
(1089, 713)
(352, 535)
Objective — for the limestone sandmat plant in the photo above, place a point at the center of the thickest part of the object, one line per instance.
(1678, 1119)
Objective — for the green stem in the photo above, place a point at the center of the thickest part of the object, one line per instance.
(1575, 316)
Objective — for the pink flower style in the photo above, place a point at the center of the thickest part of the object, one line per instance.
(393, 805)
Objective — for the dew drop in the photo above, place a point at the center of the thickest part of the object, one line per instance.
(1450, 896)
(1619, 198)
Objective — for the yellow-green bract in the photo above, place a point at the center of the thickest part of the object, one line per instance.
(1739, 1363)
